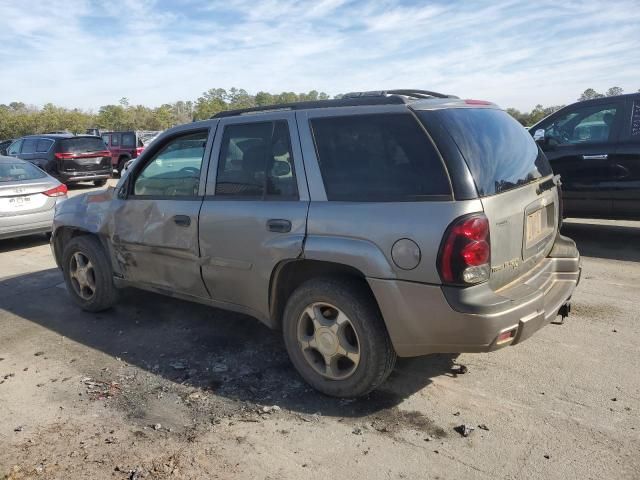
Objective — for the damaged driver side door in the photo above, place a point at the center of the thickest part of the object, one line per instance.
(155, 231)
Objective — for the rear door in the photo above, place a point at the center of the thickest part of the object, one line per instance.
(255, 208)
(514, 181)
(155, 217)
(625, 165)
(580, 143)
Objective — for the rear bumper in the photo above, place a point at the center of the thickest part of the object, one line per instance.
(27, 224)
(423, 319)
(70, 177)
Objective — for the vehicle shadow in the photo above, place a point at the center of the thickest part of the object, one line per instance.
(18, 243)
(609, 241)
(230, 355)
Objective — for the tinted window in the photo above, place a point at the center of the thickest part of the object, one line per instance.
(82, 145)
(256, 161)
(115, 139)
(29, 145)
(105, 138)
(175, 170)
(128, 140)
(11, 172)
(43, 145)
(370, 158)
(500, 153)
(590, 124)
(14, 149)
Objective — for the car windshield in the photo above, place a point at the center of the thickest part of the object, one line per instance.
(16, 171)
(83, 145)
(500, 153)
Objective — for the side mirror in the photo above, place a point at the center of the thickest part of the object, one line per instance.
(281, 169)
(538, 136)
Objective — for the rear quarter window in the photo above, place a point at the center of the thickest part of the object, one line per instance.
(499, 152)
(82, 145)
(379, 157)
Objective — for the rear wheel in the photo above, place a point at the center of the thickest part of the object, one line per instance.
(336, 337)
(88, 274)
(99, 183)
(121, 163)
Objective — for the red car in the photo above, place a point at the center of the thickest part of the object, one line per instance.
(126, 145)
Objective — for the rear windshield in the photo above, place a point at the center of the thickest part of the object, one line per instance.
(16, 171)
(82, 145)
(499, 152)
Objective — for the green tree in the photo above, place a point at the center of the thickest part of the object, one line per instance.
(589, 94)
(613, 91)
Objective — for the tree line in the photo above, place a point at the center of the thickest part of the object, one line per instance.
(18, 119)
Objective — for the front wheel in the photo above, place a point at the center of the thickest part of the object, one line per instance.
(336, 337)
(88, 274)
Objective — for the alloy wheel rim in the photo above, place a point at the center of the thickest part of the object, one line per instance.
(83, 275)
(328, 341)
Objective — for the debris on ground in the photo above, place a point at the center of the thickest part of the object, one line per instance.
(38, 354)
(357, 431)
(482, 426)
(459, 369)
(157, 426)
(464, 430)
(99, 390)
(19, 428)
(271, 409)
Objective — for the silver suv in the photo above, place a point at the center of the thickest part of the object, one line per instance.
(403, 222)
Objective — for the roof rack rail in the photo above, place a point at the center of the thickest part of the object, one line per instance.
(378, 97)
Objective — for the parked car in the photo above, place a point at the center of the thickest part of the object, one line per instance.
(381, 224)
(4, 145)
(67, 157)
(125, 146)
(595, 148)
(28, 197)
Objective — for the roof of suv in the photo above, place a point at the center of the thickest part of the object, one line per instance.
(379, 97)
(58, 136)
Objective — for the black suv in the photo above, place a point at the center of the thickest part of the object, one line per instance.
(595, 147)
(67, 157)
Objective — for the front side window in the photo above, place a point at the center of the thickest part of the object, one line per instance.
(381, 157)
(256, 161)
(175, 170)
(105, 139)
(591, 124)
(14, 148)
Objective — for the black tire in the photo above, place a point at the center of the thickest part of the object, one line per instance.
(121, 163)
(99, 183)
(377, 356)
(105, 293)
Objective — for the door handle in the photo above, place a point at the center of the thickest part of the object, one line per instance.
(279, 225)
(182, 220)
(602, 156)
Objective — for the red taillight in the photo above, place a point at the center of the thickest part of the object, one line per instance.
(67, 155)
(465, 253)
(58, 191)
(64, 155)
(139, 150)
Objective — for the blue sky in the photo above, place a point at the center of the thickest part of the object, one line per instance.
(87, 54)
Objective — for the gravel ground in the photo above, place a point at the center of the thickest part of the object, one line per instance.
(160, 388)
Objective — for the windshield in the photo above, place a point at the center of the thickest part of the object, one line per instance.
(16, 171)
(499, 152)
(83, 145)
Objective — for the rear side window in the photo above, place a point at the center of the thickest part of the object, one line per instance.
(381, 157)
(29, 145)
(15, 171)
(43, 145)
(128, 140)
(256, 161)
(115, 139)
(499, 152)
(82, 145)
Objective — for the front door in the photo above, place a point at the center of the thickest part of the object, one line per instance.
(626, 166)
(580, 143)
(255, 209)
(155, 232)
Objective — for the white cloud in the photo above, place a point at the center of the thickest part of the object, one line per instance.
(85, 53)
